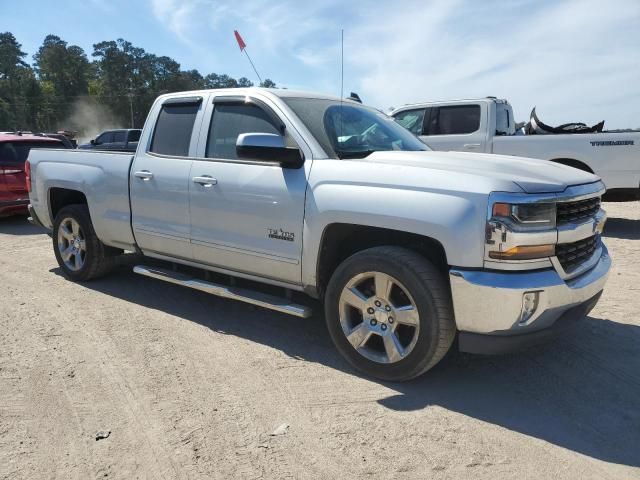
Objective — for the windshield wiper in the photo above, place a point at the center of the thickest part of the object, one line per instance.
(342, 154)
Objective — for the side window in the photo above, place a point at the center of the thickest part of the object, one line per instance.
(229, 121)
(454, 120)
(134, 135)
(411, 120)
(106, 137)
(119, 137)
(172, 134)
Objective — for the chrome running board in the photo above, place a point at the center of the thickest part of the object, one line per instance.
(248, 296)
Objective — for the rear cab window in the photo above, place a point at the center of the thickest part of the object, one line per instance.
(453, 120)
(134, 135)
(174, 126)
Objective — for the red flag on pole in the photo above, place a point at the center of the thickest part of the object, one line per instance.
(240, 41)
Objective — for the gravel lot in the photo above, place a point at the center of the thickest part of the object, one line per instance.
(192, 386)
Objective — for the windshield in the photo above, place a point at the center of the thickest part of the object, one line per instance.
(346, 130)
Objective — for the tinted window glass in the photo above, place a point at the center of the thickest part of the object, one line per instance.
(411, 120)
(504, 122)
(134, 135)
(106, 137)
(454, 120)
(17, 152)
(119, 136)
(231, 120)
(172, 134)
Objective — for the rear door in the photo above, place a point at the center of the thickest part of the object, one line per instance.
(459, 127)
(160, 178)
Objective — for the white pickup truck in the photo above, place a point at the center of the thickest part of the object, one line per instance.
(295, 192)
(487, 125)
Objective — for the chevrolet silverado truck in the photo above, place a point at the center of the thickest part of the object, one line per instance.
(487, 125)
(267, 195)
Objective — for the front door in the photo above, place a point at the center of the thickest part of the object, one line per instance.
(246, 216)
(160, 179)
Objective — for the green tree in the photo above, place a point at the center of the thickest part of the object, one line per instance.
(67, 70)
(12, 67)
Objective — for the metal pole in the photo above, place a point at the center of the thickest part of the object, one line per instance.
(131, 107)
(254, 67)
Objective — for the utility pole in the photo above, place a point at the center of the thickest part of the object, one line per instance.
(130, 95)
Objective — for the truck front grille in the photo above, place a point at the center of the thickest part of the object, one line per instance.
(574, 212)
(572, 255)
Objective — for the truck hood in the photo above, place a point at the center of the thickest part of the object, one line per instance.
(531, 175)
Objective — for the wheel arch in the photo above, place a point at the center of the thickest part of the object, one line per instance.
(572, 162)
(61, 197)
(341, 240)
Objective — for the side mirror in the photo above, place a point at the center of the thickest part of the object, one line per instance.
(92, 142)
(268, 147)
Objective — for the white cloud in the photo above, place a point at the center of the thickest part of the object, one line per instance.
(575, 60)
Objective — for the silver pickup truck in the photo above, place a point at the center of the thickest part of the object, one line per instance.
(294, 192)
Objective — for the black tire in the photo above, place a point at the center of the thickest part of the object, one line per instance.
(98, 259)
(431, 296)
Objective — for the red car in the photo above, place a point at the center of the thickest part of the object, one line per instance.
(14, 150)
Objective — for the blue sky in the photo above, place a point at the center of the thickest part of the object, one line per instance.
(577, 60)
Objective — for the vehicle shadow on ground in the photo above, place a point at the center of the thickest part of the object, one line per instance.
(19, 225)
(581, 392)
(623, 228)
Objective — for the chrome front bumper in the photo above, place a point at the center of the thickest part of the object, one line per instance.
(491, 302)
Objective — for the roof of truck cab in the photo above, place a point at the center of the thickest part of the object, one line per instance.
(13, 137)
(409, 106)
(278, 92)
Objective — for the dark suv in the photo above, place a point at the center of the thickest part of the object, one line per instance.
(122, 140)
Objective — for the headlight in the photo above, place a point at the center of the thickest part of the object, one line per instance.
(526, 215)
(521, 231)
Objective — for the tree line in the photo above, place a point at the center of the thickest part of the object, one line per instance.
(121, 79)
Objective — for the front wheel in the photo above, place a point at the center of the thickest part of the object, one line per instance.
(389, 313)
(79, 252)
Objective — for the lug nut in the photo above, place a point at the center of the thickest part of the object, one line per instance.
(390, 319)
(373, 322)
(383, 327)
(377, 302)
(370, 311)
(387, 308)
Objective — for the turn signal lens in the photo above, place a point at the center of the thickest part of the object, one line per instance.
(527, 252)
(501, 210)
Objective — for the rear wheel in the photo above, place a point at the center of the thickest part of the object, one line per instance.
(79, 252)
(389, 313)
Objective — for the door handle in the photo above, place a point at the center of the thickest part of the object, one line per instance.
(144, 175)
(205, 180)
(471, 145)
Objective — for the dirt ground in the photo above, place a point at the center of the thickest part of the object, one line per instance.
(192, 386)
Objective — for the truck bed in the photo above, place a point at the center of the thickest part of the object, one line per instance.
(103, 177)
(598, 148)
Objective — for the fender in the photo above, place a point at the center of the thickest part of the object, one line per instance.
(445, 216)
